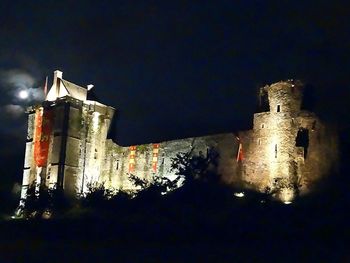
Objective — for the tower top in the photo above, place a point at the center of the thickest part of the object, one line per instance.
(57, 74)
(61, 88)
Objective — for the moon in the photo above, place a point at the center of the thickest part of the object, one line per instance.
(23, 94)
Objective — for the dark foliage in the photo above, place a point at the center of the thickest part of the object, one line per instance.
(44, 201)
(97, 195)
(197, 168)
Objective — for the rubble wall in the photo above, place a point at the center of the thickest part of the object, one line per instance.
(116, 172)
(273, 159)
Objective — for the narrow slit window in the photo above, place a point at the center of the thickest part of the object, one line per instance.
(278, 108)
(275, 150)
(117, 165)
(262, 126)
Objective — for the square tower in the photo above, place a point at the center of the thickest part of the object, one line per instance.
(65, 139)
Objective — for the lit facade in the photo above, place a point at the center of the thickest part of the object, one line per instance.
(289, 148)
(67, 146)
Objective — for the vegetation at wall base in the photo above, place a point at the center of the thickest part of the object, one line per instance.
(203, 219)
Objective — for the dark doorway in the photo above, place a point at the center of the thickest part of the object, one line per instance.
(263, 101)
(302, 140)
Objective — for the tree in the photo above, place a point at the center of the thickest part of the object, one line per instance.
(197, 168)
(155, 188)
(43, 200)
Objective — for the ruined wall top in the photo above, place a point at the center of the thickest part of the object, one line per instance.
(281, 97)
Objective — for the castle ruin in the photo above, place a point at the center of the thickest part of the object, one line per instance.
(288, 150)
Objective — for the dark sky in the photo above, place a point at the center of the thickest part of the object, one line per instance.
(171, 68)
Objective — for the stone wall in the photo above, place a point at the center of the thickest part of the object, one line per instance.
(116, 171)
(288, 148)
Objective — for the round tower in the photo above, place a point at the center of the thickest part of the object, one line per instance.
(285, 97)
(271, 163)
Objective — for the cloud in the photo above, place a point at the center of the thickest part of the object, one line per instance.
(12, 110)
(36, 94)
(18, 72)
(16, 79)
(12, 81)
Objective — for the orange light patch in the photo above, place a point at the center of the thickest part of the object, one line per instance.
(42, 133)
(155, 156)
(132, 159)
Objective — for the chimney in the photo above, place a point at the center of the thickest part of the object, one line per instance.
(56, 81)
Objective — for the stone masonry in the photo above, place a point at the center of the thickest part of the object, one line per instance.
(288, 150)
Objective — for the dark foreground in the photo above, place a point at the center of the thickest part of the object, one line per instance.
(199, 222)
(314, 230)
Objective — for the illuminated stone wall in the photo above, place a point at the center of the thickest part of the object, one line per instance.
(76, 148)
(115, 174)
(29, 167)
(96, 122)
(288, 147)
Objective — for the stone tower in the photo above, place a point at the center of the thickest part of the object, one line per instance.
(66, 139)
(289, 147)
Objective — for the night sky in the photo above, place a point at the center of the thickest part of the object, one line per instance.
(172, 69)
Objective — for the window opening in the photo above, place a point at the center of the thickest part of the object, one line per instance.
(278, 108)
(302, 140)
(263, 101)
(275, 150)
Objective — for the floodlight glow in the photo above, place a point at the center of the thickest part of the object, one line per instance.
(239, 194)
